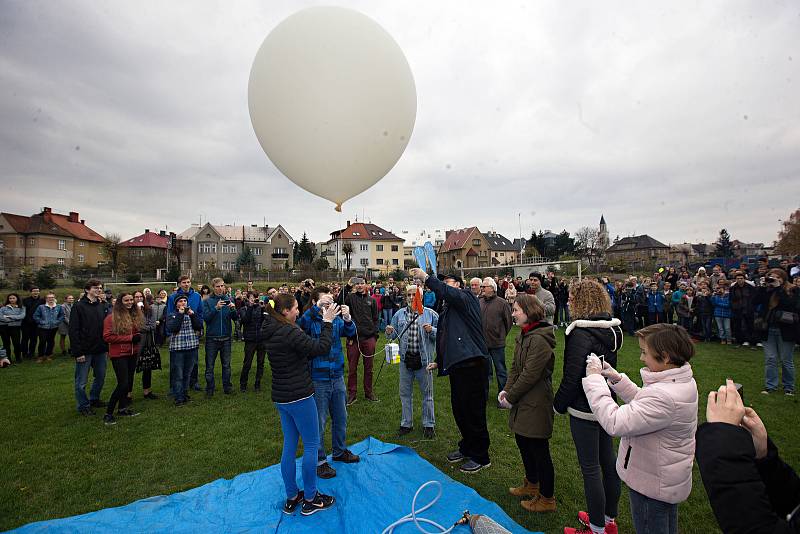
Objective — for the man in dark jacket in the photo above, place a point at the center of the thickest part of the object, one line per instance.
(496, 319)
(462, 355)
(251, 316)
(364, 311)
(749, 487)
(218, 313)
(88, 347)
(29, 330)
(742, 296)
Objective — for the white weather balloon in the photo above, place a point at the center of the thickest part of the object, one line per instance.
(332, 101)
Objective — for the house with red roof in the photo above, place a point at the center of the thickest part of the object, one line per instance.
(371, 248)
(47, 238)
(146, 251)
(464, 248)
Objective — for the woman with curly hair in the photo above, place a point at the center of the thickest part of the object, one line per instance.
(121, 331)
(593, 331)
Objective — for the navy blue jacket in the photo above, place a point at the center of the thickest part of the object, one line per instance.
(175, 322)
(195, 302)
(460, 331)
(218, 322)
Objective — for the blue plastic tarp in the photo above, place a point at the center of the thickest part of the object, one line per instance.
(369, 496)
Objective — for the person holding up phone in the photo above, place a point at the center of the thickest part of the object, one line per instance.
(219, 312)
(184, 327)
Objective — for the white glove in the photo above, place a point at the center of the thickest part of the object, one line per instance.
(501, 396)
(346, 313)
(593, 365)
(610, 373)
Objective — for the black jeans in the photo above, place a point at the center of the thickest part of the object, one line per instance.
(30, 336)
(124, 370)
(259, 348)
(601, 484)
(47, 341)
(468, 395)
(538, 463)
(11, 336)
(742, 326)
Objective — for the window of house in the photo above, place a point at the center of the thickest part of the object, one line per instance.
(206, 248)
(280, 250)
(258, 266)
(31, 241)
(394, 248)
(62, 244)
(30, 261)
(379, 248)
(364, 262)
(356, 233)
(256, 251)
(395, 261)
(60, 261)
(476, 242)
(81, 243)
(80, 258)
(364, 248)
(379, 261)
(21, 241)
(495, 254)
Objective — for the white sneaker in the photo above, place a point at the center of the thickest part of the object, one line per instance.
(746, 344)
(760, 345)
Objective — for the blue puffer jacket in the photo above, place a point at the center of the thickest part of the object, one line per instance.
(460, 333)
(328, 366)
(47, 317)
(427, 344)
(218, 322)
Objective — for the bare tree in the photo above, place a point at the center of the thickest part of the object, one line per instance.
(111, 249)
(588, 244)
(788, 242)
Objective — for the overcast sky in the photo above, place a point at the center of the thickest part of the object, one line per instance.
(673, 119)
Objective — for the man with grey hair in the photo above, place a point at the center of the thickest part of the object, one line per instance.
(543, 295)
(496, 317)
(475, 286)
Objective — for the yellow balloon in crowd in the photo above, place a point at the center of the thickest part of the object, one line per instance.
(332, 101)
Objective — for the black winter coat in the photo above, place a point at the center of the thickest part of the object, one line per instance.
(364, 311)
(746, 495)
(290, 350)
(787, 302)
(599, 334)
(743, 298)
(30, 305)
(252, 318)
(86, 328)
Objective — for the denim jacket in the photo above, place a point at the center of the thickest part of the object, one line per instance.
(11, 316)
(427, 340)
(47, 317)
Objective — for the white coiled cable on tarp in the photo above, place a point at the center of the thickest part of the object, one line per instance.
(480, 524)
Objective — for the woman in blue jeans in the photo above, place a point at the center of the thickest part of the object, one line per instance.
(289, 350)
(780, 304)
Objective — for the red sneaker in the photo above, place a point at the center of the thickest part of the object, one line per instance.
(583, 517)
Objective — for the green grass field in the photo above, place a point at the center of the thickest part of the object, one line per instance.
(56, 463)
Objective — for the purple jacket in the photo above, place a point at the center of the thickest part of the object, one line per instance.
(657, 425)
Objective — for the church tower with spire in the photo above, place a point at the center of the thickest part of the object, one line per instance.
(603, 240)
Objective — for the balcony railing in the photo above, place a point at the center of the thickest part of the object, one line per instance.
(280, 255)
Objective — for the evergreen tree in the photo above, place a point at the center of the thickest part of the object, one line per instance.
(246, 260)
(724, 247)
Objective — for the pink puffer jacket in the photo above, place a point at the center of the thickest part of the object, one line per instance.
(657, 425)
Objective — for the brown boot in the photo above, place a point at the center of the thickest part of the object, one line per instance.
(540, 504)
(526, 490)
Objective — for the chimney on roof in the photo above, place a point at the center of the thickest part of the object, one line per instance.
(147, 230)
(162, 233)
(73, 216)
(83, 221)
(46, 210)
(348, 224)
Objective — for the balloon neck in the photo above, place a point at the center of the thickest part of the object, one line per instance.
(338, 207)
